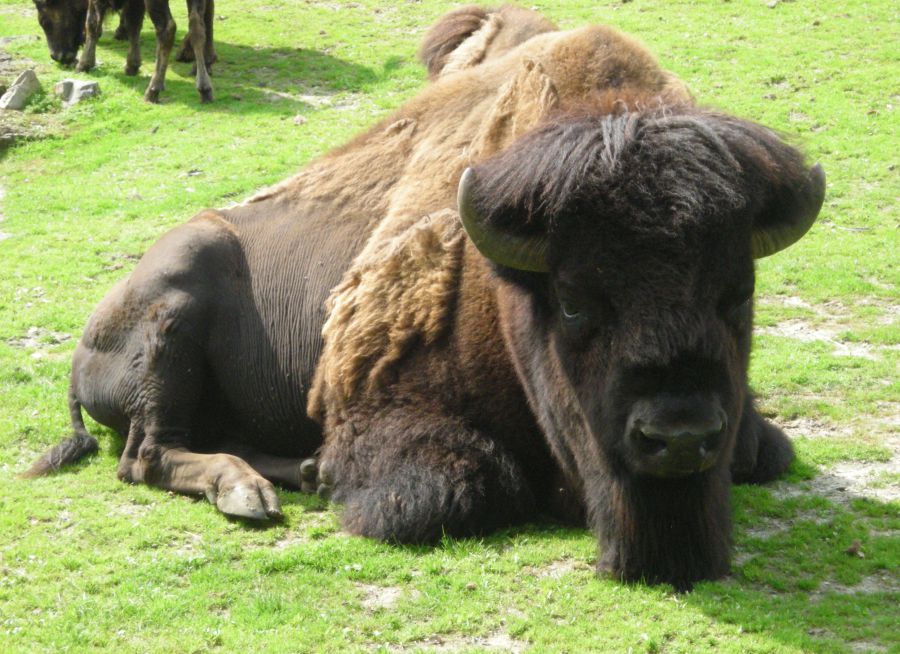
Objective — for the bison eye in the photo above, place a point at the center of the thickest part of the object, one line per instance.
(570, 310)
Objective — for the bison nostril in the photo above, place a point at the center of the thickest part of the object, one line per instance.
(711, 443)
(647, 444)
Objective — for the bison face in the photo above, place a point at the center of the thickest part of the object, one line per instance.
(651, 342)
(63, 25)
(624, 247)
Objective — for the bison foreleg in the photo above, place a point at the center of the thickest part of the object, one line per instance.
(226, 480)
(301, 474)
(413, 478)
(762, 452)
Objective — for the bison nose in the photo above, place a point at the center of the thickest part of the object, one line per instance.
(64, 58)
(675, 436)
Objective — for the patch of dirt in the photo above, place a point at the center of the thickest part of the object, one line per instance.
(802, 331)
(835, 317)
(847, 480)
(291, 538)
(40, 339)
(495, 642)
(876, 583)
(557, 569)
(835, 310)
(379, 597)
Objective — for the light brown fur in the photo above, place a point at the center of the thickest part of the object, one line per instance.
(398, 289)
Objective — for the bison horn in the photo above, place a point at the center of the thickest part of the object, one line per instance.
(510, 250)
(774, 238)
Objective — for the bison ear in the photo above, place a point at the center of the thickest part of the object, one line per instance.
(521, 105)
(510, 250)
(458, 40)
(790, 216)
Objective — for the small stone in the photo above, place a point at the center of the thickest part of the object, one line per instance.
(772, 4)
(855, 549)
(299, 119)
(72, 91)
(16, 97)
(471, 586)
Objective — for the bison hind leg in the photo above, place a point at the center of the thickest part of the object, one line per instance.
(458, 486)
(762, 453)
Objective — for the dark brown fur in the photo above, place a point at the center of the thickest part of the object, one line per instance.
(450, 395)
(68, 25)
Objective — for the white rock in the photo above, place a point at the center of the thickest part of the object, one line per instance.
(23, 88)
(72, 91)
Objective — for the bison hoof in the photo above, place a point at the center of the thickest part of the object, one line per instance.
(256, 500)
(309, 474)
(84, 66)
(152, 95)
(132, 69)
(206, 95)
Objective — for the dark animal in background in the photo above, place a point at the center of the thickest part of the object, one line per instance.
(68, 25)
(570, 337)
(63, 25)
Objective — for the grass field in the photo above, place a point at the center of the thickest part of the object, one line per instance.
(90, 564)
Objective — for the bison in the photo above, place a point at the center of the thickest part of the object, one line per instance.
(66, 22)
(527, 292)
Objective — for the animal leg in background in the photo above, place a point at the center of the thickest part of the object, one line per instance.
(132, 21)
(186, 50)
(201, 43)
(412, 478)
(165, 37)
(93, 28)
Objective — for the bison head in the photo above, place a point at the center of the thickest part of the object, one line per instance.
(63, 25)
(624, 249)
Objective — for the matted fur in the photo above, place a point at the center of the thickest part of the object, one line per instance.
(398, 291)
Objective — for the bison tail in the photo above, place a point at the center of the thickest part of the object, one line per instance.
(70, 450)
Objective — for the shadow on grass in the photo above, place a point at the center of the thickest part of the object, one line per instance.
(252, 79)
(810, 571)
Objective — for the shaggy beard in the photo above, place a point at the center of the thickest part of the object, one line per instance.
(663, 531)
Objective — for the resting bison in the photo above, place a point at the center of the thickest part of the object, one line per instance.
(65, 23)
(571, 337)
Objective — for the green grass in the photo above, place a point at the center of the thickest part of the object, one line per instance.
(88, 563)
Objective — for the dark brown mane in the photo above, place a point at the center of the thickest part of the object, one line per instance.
(696, 160)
